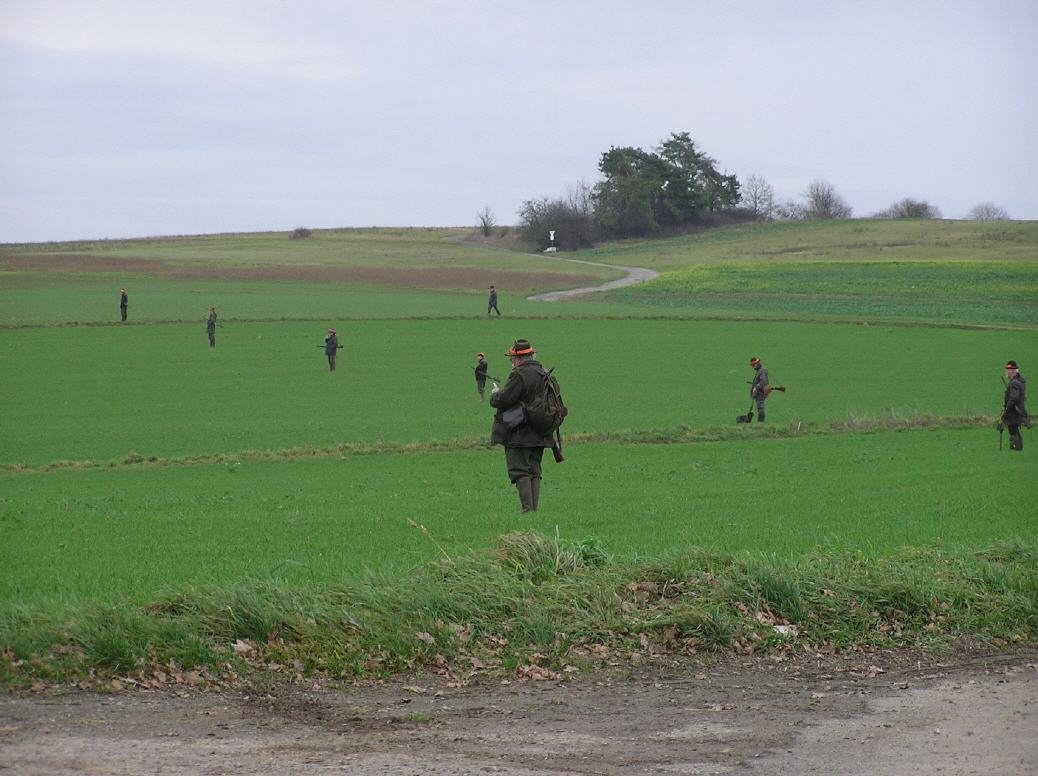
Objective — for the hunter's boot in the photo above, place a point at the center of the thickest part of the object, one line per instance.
(535, 491)
(760, 416)
(525, 487)
(1016, 441)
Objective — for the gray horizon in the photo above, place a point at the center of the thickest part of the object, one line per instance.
(131, 119)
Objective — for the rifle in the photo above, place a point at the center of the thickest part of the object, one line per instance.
(556, 447)
(770, 388)
(488, 377)
(322, 347)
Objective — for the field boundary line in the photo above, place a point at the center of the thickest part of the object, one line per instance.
(689, 318)
(679, 435)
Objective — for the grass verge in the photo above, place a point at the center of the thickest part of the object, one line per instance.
(683, 434)
(532, 606)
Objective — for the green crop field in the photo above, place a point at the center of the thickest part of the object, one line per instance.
(102, 534)
(136, 461)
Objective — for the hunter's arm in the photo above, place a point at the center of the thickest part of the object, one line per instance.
(509, 395)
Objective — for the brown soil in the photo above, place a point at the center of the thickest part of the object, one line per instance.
(819, 716)
(417, 277)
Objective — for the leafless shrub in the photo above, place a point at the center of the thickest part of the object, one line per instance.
(823, 201)
(910, 208)
(988, 211)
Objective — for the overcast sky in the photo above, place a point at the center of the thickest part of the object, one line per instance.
(123, 118)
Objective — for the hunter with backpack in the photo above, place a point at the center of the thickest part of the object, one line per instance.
(529, 413)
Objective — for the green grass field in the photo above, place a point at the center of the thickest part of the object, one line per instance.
(101, 393)
(104, 534)
(136, 462)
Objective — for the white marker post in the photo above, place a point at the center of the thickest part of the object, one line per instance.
(551, 239)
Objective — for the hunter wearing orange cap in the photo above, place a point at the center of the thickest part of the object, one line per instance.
(759, 388)
(1014, 407)
(331, 347)
(481, 374)
(524, 445)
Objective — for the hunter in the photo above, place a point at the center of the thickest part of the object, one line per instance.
(759, 388)
(1014, 407)
(524, 446)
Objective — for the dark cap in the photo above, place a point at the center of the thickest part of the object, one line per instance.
(754, 362)
(521, 347)
(1011, 364)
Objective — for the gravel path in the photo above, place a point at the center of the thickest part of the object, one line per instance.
(634, 274)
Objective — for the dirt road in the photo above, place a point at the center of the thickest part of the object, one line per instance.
(634, 274)
(753, 717)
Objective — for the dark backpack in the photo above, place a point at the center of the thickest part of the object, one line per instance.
(545, 411)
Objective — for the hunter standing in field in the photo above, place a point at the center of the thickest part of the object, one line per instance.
(492, 302)
(759, 388)
(481, 374)
(1014, 407)
(124, 302)
(331, 347)
(524, 446)
(210, 327)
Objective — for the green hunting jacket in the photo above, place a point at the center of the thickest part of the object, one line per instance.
(522, 386)
(210, 322)
(1016, 398)
(759, 381)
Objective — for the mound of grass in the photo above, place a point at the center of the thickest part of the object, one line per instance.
(536, 606)
(968, 292)
(854, 240)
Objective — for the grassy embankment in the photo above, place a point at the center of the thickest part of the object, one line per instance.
(937, 272)
(121, 568)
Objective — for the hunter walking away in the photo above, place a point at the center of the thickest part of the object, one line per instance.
(529, 413)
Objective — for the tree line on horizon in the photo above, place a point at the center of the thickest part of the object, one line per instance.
(677, 187)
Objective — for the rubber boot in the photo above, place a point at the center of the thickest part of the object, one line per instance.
(525, 487)
(535, 490)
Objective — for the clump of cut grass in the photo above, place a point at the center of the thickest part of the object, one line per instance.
(539, 558)
(536, 603)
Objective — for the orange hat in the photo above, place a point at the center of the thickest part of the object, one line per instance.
(480, 355)
(521, 347)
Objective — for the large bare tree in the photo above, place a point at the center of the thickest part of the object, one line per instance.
(987, 211)
(758, 196)
(487, 221)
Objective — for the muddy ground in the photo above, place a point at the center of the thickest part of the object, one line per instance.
(967, 715)
(463, 278)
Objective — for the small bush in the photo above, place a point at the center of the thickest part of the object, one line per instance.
(301, 233)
